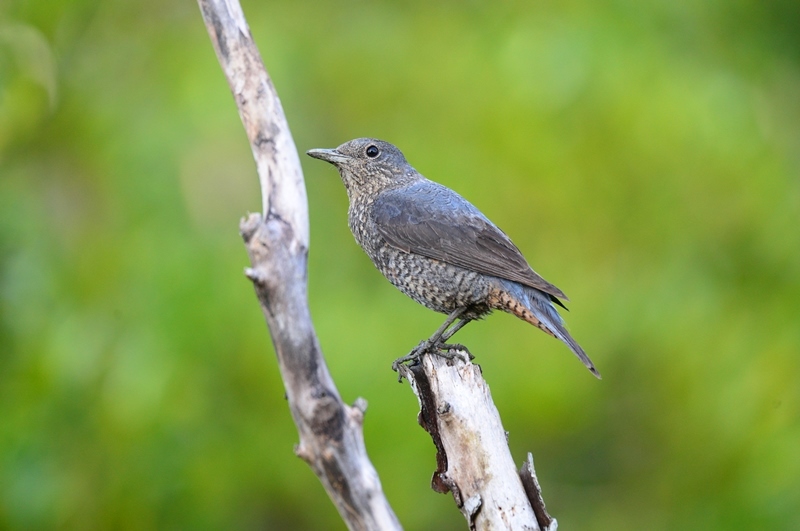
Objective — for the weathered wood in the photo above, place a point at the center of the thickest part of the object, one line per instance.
(474, 462)
(534, 493)
(331, 436)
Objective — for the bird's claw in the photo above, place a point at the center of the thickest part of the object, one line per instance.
(456, 347)
(412, 356)
(445, 350)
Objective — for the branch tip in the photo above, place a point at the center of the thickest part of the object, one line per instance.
(256, 275)
(302, 452)
(249, 225)
(361, 405)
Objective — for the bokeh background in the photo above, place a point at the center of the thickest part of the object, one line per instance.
(644, 155)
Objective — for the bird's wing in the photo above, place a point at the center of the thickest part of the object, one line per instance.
(429, 219)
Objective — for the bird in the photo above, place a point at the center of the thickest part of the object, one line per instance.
(439, 249)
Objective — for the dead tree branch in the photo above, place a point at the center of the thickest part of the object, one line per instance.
(331, 438)
(473, 460)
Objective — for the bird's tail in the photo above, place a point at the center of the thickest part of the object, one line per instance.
(534, 306)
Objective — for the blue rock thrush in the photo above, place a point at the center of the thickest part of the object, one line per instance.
(438, 249)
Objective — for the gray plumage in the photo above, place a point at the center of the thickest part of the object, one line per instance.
(436, 247)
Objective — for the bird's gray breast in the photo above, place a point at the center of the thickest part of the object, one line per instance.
(435, 283)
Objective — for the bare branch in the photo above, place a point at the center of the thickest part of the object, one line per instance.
(473, 459)
(283, 191)
(331, 437)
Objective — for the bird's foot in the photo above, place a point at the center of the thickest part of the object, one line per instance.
(412, 356)
(451, 350)
(445, 350)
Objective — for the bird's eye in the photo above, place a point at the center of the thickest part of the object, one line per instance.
(373, 151)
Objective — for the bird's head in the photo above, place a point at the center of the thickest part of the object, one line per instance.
(368, 165)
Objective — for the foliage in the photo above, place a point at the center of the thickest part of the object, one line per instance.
(644, 155)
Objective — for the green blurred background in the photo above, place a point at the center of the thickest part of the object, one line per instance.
(644, 155)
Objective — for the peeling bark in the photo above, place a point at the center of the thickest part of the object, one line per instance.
(331, 436)
(473, 460)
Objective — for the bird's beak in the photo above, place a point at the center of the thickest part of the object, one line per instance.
(328, 155)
